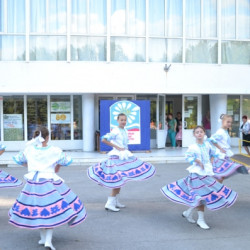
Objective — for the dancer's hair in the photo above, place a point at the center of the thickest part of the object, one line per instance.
(121, 114)
(223, 117)
(201, 127)
(43, 130)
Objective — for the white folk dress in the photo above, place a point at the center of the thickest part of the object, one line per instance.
(7, 180)
(224, 167)
(121, 166)
(199, 187)
(45, 201)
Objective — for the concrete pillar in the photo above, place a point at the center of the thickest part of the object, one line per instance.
(88, 117)
(218, 106)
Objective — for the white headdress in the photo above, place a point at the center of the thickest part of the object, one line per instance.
(37, 141)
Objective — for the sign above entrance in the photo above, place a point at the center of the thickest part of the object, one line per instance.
(133, 113)
(60, 106)
(138, 121)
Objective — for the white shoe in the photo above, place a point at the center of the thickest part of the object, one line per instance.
(118, 204)
(201, 221)
(111, 204)
(188, 214)
(48, 239)
(43, 236)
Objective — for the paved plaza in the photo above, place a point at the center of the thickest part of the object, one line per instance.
(149, 221)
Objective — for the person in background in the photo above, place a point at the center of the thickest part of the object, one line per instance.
(245, 130)
(178, 119)
(207, 124)
(172, 125)
(179, 136)
(152, 124)
(166, 129)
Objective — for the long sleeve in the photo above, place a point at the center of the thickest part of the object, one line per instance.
(190, 155)
(112, 135)
(2, 147)
(20, 158)
(65, 160)
(215, 138)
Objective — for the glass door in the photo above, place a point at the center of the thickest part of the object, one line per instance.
(191, 109)
(160, 122)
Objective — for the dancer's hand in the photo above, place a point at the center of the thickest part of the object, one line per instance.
(222, 150)
(120, 149)
(199, 163)
(57, 168)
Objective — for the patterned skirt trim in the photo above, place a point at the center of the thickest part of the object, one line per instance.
(224, 168)
(8, 181)
(196, 190)
(114, 173)
(46, 204)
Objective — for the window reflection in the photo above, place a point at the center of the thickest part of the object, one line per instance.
(233, 109)
(36, 113)
(48, 48)
(165, 50)
(128, 49)
(77, 123)
(60, 117)
(13, 118)
(88, 48)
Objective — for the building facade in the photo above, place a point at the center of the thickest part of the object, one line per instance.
(59, 58)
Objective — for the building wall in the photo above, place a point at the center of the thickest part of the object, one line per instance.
(62, 77)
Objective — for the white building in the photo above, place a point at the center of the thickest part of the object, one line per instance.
(58, 58)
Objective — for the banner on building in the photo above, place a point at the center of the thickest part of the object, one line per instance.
(60, 107)
(138, 121)
(60, 118)
(13, 127)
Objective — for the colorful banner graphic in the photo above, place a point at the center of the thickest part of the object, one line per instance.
(60, 118)
(133, 113)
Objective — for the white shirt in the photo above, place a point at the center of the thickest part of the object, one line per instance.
(119, 137)
(42, 161)
(222, 138)
(246, 128)
(203, 152)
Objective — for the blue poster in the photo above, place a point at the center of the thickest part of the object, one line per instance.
(138, 122)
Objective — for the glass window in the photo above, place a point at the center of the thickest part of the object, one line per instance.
(233, 109)
(13, 118)
(16, 16)
(1, 15)
(51, 18)
(243, 19)
(137, 17)
(118, 17)
(77, 117)
(174, 18)
(79, 16)
(165, 50)
(12, 48)
(201, 51)
(128, 49)
(190, 112)
(193, 18)
(235, 52)
(48, 48)
(60, 117)
(88, 48)
(36, 113)
(246, 106)
(156, 17)
(228, 18)
(98, 16)
(209, 22)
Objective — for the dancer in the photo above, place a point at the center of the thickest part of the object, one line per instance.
(45, 201)
(200, 189)
(120, 167)
(6, 180)
(223, 166)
